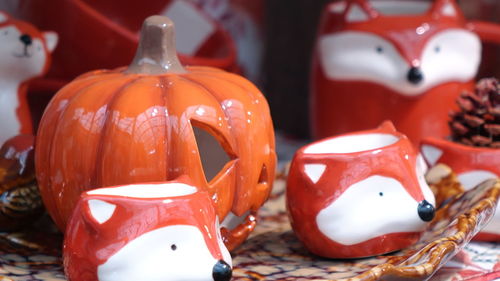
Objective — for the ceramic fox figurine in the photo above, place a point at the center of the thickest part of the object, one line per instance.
(405, 61)
(359, 194)
(24, 54)
(164, 231)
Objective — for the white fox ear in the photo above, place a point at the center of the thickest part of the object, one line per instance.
(431, 154)
(51, 40)
(356, 14)
(100, 211)
(3, 17)
(314, 171)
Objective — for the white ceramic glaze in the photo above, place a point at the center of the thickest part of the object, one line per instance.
(147, 190)
(472, 178)
(431, 154)
(363, 56)
(420, 171)
(100, 210)
(370, 208)
(351, 143)
(314, 171)
(170, 253)
(18, 64)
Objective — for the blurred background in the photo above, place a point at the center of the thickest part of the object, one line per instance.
(268, 41)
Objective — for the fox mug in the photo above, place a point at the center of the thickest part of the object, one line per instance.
(359, 194)
(404, 61)
(154, 231)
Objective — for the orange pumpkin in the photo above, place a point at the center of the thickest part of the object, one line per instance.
(148, 123)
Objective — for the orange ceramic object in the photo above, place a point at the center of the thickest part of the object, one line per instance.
(396, 60)
(158, 231)
(359, 194)
(473, 165)
(137, 124)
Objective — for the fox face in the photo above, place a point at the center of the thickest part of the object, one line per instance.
(24, 54)
(407, 63)
(404, 61)
(145, 232)
(343, 193)
(362, 56)
(25, 51)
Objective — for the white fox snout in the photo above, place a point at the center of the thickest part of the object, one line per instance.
(373, 207)
(363, 56)
(170, 253)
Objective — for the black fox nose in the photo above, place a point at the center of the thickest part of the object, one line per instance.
(222, 271)
(26, 39)
(426, 211)
(415, 75)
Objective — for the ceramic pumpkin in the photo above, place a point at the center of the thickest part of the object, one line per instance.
(151, 122)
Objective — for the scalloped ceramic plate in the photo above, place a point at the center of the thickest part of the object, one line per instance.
(273, 252)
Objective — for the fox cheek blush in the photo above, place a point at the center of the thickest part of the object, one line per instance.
(359, 194)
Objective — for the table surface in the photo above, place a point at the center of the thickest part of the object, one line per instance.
(478, 261)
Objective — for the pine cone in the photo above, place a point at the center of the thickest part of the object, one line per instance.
(477, 123)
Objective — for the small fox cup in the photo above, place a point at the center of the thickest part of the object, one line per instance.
(359, 194)
(165, 231)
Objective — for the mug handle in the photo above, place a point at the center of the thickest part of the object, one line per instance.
(487, 31)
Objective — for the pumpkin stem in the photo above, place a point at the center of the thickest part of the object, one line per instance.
(156, 53)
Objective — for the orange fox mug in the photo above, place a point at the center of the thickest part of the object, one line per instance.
(405, 61)
(342, 193)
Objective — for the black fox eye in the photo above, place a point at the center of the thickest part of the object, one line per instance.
(437, 49)
(379, 49)
(173, 247)
(381, 194)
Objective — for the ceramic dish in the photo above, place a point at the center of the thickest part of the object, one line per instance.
(273, 252)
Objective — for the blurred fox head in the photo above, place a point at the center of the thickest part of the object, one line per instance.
(408, 46)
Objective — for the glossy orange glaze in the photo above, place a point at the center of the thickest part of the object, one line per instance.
(306, 199)
(343, 106)
(112, 127)
(89, 243)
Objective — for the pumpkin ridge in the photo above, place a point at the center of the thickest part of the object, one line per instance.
(163, 80)
(255, 94)
(227, 77)
(54, 103)
(97, 179)
(215, 96)
(254, 108)
(61, 114)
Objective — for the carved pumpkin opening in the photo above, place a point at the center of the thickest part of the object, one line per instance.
(214, 151)
(263, 175)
